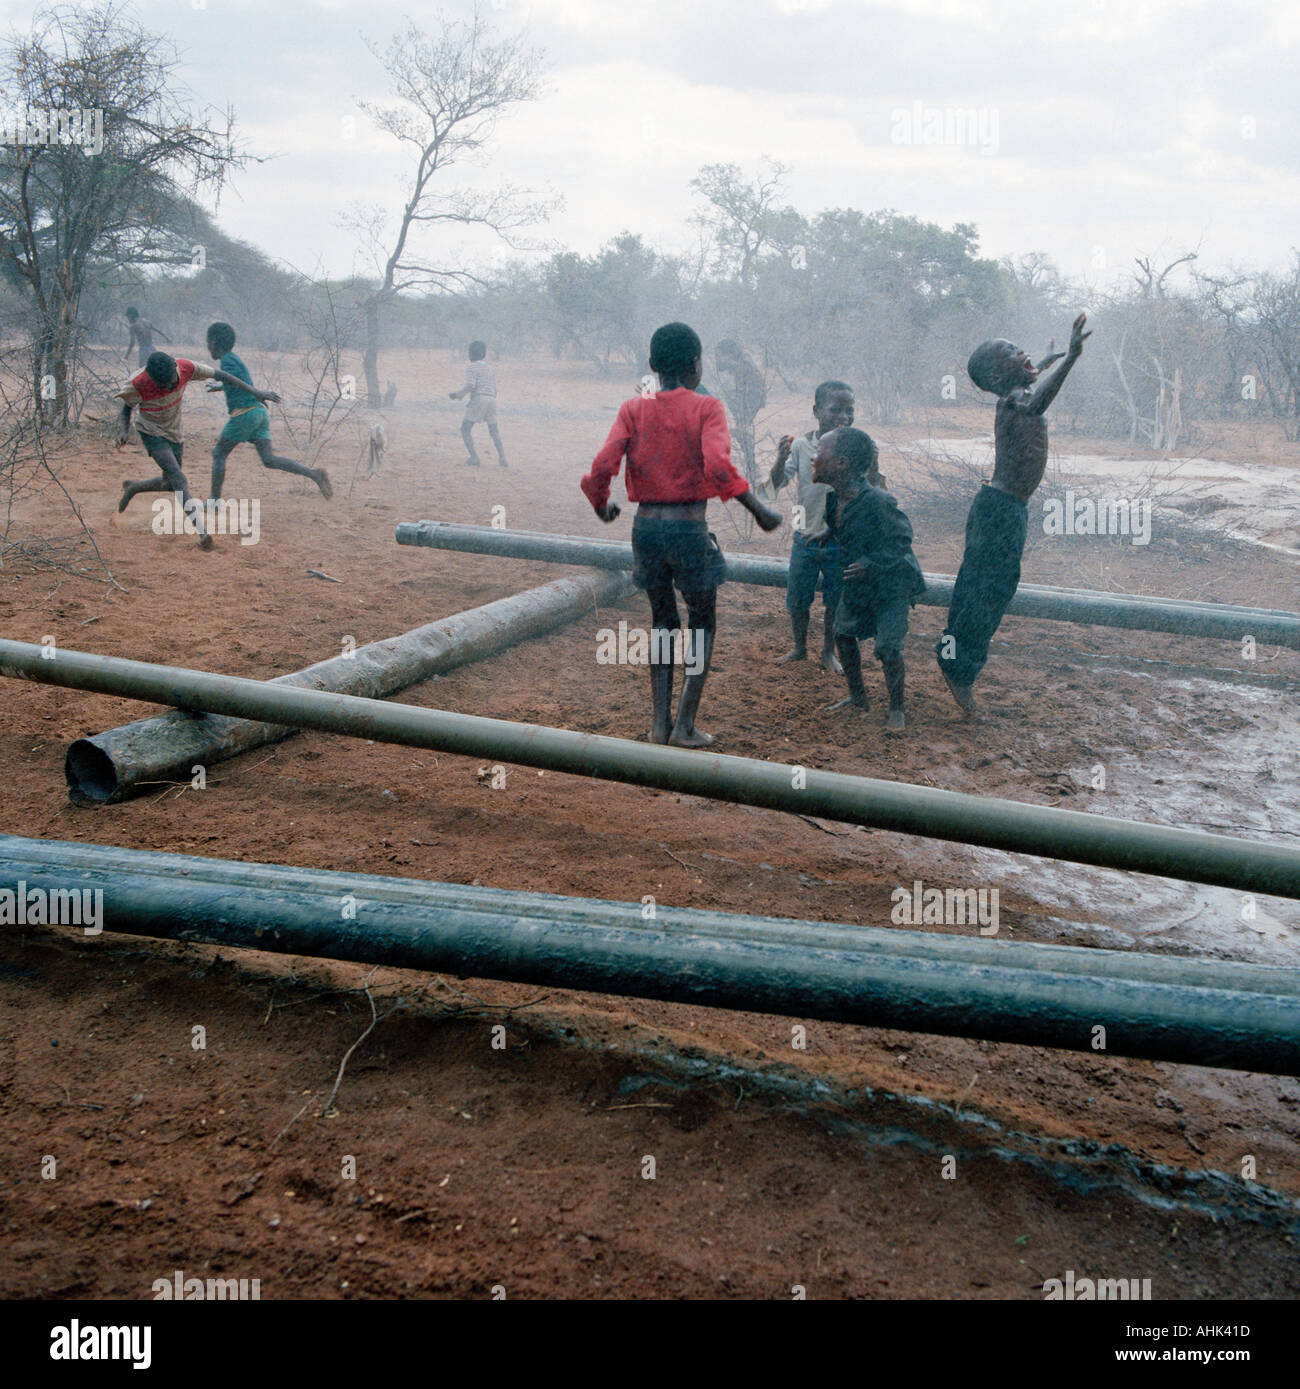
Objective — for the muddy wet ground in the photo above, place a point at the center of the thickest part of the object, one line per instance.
(526, 1167)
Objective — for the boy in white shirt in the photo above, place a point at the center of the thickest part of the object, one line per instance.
(481, 387)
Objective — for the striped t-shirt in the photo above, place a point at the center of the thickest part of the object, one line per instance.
(160, 406)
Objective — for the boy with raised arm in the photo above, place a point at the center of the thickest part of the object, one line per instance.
(158, 390)
(998, 524)
(881, 576)
(678, 456)
(248, 422)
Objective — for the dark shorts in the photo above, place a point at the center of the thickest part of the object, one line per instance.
(996, 531)
(154, 442)
(247, 427)
(808, 563)
(668, 553)
(887, 622)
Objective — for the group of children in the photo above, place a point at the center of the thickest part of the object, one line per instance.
(158, 389)
(849, 530)
(157, 392)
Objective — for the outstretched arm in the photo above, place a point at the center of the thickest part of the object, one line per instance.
(227, 380)
(1045, 388)
(777, 477)
(768, 519)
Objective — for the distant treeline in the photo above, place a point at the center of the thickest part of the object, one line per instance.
(889, 303)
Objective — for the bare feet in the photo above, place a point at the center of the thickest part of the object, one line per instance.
(128, 491)
(659, 735)
(323, 482)
(696, 738)
(963, 694)
(206, 542)
(798, 654)
(895, 723)
(830, 662)
(471, 462)
(851, 702)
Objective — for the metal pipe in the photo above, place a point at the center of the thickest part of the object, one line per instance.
(1131, 611)
(92, 863)
(1245, 865)
(114, 765)
(524, 938)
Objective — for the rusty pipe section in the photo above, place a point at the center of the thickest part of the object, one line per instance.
(115, 765)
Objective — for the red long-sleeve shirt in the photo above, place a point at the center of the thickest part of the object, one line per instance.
(677, 448)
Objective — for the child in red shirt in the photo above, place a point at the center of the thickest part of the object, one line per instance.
(678, 456)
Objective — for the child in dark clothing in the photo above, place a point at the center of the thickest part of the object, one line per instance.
(678, 456)
(881, 576)
(998, 523)
(248, 422)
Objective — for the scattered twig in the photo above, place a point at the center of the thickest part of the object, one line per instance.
(347, 1055)
(817, 824)
(320, 574)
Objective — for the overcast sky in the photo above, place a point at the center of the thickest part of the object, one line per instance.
(1106, 128)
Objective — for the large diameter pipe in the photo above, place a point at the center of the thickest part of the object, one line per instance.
(168, 747)
(1131, 611)
(483, 907)
(1245, 865)
(605, 947)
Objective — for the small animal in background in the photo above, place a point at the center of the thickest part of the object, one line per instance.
(375, 447)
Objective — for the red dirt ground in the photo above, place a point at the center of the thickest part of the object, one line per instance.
(523, 1168)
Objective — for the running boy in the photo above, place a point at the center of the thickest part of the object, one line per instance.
(158, 391)
(998, 523)
(248, 423)
(678, 456)
(832, 409)
(141, 333)
(481, 387)
(881, 577)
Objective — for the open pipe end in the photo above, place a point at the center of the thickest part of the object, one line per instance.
(91, 774)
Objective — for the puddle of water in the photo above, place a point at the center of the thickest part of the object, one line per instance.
(1255, 774)
(1258, 505)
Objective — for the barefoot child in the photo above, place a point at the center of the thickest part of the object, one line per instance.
(140, 336)
(678, 456)
(881, 576)
(158, 391)
(832, 409)
(481, 387)
(248, 423)
(998, 523)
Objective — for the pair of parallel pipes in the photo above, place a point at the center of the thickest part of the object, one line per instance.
(1238, 1016)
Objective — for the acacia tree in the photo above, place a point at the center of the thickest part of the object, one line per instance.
(72, 206)
(742, 218)
(450, 88)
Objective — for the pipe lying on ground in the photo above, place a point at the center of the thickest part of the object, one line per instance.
(168, 747)
(1131, 611)
(1242, 1017)
(466, 904)
(1242, 864)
